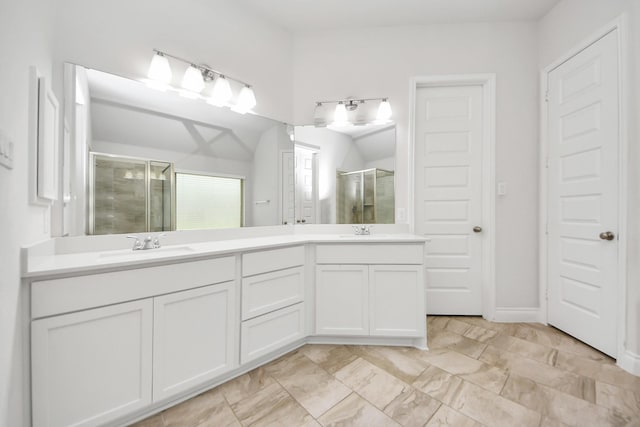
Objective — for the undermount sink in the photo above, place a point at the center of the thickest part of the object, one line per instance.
(361, 236)
(128, 253)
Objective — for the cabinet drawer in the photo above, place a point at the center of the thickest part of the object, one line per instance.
(49, 297)
(370, 253)
(267, 292)
(267, 333)
(271, 260)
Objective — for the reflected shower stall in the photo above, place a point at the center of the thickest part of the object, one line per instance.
(365, 197)
(129, 195)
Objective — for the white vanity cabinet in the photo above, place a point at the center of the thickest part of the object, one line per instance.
(92, 366)
(272, 300)
(358, 293)
(105, 345)
(193, 338)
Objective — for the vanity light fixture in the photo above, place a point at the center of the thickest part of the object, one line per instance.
(344, 107)
(320, 115)
(340, 115)
(384, 111)
(195, 80)
(160, 70)
(246, 100)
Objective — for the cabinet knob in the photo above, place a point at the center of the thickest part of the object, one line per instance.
(477, 229)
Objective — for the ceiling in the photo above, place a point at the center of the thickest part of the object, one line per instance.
(298, 16)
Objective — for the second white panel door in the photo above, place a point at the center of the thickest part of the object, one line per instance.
(449, 194)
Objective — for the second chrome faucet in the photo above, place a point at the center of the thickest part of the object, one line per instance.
(148, 242)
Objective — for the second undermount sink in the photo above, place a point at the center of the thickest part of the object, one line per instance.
(361, 236)
(130, 254)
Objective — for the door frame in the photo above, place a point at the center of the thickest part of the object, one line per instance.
(488, 83)
(619, 25)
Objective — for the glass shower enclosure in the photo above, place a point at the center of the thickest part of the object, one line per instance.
(365, 197)
(130, 195)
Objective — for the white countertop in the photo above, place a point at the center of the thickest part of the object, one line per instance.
(36, 265)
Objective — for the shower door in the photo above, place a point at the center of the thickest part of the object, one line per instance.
(129, 195)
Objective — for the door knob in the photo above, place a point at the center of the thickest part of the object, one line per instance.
(477, 229)
(607, 235)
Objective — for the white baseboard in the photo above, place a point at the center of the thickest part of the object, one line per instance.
(517, 314)
(630, 362)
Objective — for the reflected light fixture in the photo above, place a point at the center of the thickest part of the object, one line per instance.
(195, 80)
(352, 111)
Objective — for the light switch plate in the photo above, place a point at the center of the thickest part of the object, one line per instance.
(6, 151)
(502, 189)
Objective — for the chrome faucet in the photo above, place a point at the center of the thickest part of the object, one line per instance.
(362, 230)
(147, 243)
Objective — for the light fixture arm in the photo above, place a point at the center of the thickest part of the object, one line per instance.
(208, 73)
(352, 100)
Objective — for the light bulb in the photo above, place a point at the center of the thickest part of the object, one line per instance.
(384, 111)
(246, 100)
(193, 80)
(340, 115)
(320, 116)
(221, 92)
(159, 70)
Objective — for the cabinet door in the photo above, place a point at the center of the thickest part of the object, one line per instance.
(194, 334)
(342, 300)
(397, 300)
(93, 366)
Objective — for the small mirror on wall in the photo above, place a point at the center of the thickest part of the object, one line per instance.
(44, 134)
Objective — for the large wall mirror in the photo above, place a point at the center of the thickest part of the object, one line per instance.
(144, 160)
(345, 175)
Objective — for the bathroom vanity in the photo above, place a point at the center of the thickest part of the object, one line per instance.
(117, 335)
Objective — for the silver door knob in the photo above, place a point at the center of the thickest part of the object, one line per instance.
(477, 229)
(607, 235)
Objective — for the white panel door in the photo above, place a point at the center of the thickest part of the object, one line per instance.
(342, 300)
(194, 337)
(306, 186)
(288, 188)
(91, 367)
(583, 125)
(448, 199)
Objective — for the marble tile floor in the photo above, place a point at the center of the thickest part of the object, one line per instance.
(476, 373)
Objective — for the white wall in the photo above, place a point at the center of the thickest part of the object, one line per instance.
(570, 22)
(25, 39)
(379, 62)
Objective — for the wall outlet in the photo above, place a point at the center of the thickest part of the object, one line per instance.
(6, 151)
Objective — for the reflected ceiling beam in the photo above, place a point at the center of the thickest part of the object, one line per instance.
(373, 132)
(157, 113)
(206, 147)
